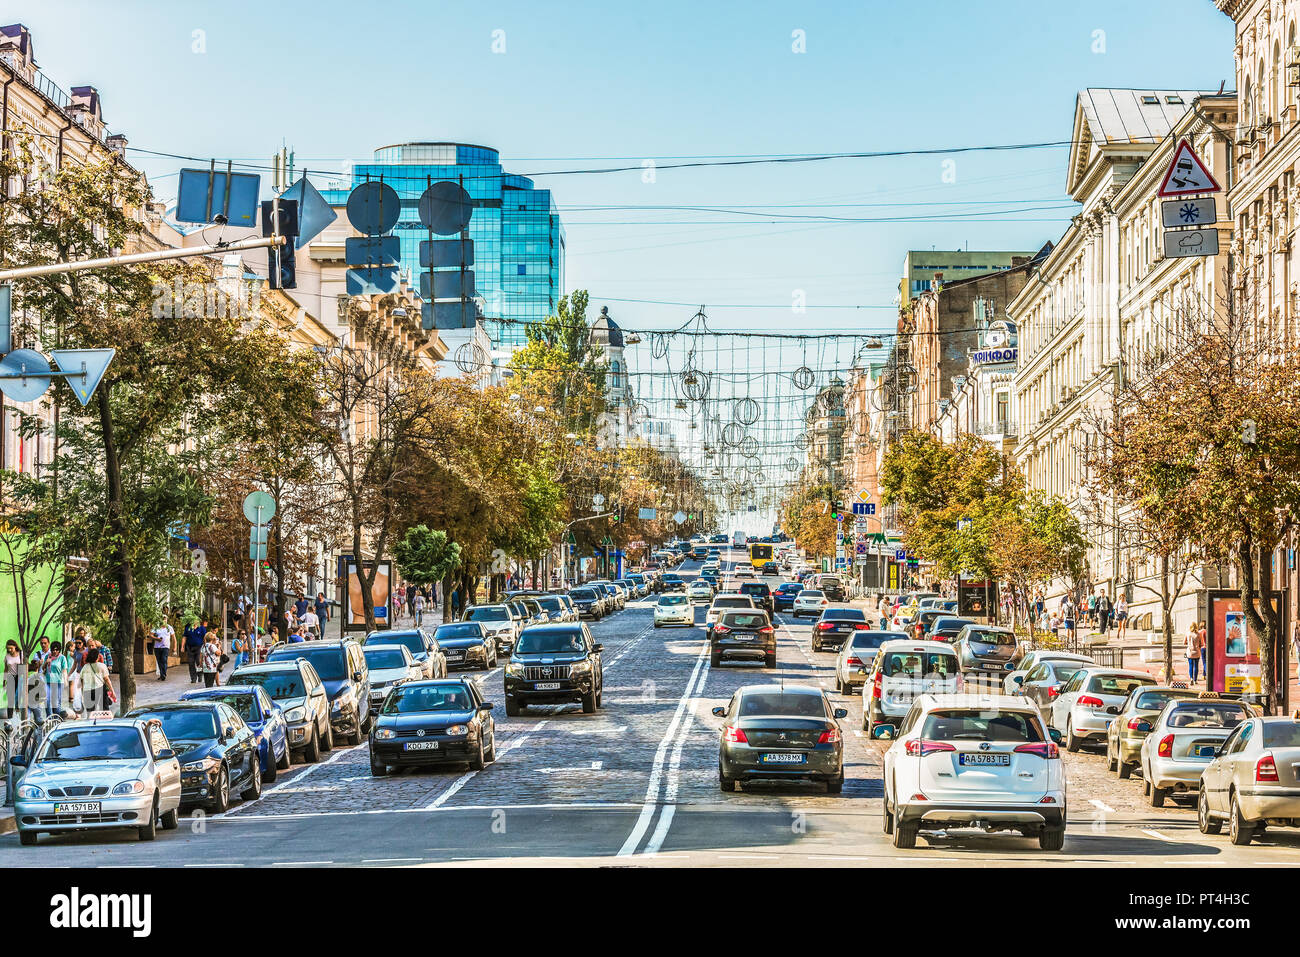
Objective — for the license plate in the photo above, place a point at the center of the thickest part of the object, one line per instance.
(970, 759)
(782, 757)
(1206, 750)
(77, 807)
(547, 686)
(455, 655)
(420, 746)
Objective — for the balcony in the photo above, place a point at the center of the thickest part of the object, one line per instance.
(997, 427)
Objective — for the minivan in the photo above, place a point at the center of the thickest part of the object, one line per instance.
(343, 670)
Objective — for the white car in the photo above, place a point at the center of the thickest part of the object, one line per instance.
(902, 671)
(974, 761)
(1026, 664)
(389, 665)
(808, 602)
(1089, 701)
(674, 609)
(727, 601)
(699, 590)
(744, 571)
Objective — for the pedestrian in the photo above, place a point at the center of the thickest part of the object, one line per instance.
(417, 607)
(322, 608)
(296, 636)
(1103, 611)
(240, 648)
(95, 683)
(13, 665)
(1192, 648)
(58, 670)
(311, 623)
(194, 639)
(210, 660)
(300, 606)
(163, 636)
(883, 609)
(1204, 636)
(1121, 617)
(1090, 617)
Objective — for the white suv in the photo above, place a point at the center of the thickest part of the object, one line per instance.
(902, 671)
(974, 761)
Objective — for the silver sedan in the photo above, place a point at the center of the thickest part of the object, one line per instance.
(1186, 737)
(1252, 781)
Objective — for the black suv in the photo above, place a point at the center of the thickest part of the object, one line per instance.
(555, 663)
(343, 670)
(673, 582)
(761, 593)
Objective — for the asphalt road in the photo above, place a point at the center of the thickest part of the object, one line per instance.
(636, 784)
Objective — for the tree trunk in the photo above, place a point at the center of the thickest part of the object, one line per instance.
(283, 626)
(1262, 625)
(1166, 618)
(448, 586)
(124, 639)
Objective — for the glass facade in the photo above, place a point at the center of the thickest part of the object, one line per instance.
(516, 229)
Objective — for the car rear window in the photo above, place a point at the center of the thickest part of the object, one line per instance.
(1155, 700)
(979, 725)
(918, 664)
(950, 623)
(740, 619)
(1206, 714)
(1282, 734)
(755, 588)
(845, 614)
(732, 603)
(1000, 638)
(872, 639)
(775, 702)
(1063, 672)
(1116, 684)
(810, 593)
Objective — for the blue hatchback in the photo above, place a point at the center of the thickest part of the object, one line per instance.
(263, 717)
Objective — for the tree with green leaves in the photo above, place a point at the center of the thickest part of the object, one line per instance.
(426, 556)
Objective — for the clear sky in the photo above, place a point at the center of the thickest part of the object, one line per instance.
(582, 84)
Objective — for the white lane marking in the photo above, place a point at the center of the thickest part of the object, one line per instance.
(297, 863)
(1159, 836)
(669, 809)
(748, 857)
(294, 815)
(390, 860)
(464, 779)
(656, 768)
(597, 765)
(1101, 805)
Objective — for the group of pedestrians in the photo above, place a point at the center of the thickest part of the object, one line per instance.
(1194, 645)
(58, 677)
(414, 601)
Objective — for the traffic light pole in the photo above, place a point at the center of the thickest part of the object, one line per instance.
(128, 259)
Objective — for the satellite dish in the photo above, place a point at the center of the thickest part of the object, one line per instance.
(24, 375)
(445, 208)
(374, 208)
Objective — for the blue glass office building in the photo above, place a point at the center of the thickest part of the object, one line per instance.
(516, 229)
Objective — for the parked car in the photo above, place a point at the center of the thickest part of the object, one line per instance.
(985, 648)
(588, 602)
(1043, 682)
(301, 696)
(390, 665)
(434, 722)
(1089, 701)
(499, 621)
(902, 671)
(785, 594)
(809, 601)
(1187, 735)
(557, 609)
(1252, 781)
(1136, 718)
(466, 644)
(780, 731)
(554, 664)
(974, 760)
(420, 642)
(835, 626)
(673, 609)
(1030, 659)
(926, 614)
(263, 717)
(761, 593)
(745, 634)
(96, 775)
(342, 668)
(856, 655)
(216, 749)
(946, 628)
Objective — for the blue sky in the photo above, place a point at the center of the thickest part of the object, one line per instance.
(633, 81)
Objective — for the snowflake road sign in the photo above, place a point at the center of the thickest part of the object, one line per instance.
(1188, 212)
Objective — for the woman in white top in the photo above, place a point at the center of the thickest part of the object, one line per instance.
(210, 659)
(93, 677)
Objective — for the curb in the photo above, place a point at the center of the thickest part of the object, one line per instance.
(8, 823)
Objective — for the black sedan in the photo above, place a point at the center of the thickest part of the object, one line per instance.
(433, 722)
(835, 626)
(217, 751)
(465, 644)
(746, 635)
(780, 731)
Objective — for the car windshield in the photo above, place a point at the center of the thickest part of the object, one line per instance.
(844, 614)
(1282, 734)
(493, 613)
(328, 662)
(550, 642)
(384, 658)
(413, 640)
(782, 703)
(1206, 714)
(1000, 638)
(551, 603)
(93, 744)
(742, 620)
(1117, 684)
(243, 705)
(465, 630)
(187, 724)
(917, 664)
(872, 639)
(1156, 700)
(582, 594)
(672, 599)
(278, 684)
(979, 725)
(412, 699)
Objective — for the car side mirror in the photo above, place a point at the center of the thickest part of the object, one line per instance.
(166, 754)
(1055, 735)
(19, 761)
(841, 713)
(720, 712)
(486, 706)
(1018, 679)
(598, 647)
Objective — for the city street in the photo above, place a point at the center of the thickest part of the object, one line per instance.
(636, 784)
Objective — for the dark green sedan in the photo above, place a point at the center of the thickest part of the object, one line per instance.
(780, 732)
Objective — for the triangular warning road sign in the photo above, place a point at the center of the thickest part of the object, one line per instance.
(1187, 175)
(85, 367)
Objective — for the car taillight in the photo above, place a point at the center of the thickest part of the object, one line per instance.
(1137, 724)
(1053, 692)
(920, 747)
(1166, 746)
(824, 626)
(721, 630)
(855, 661)
(875, 685)
(735, 736)
(766, 630)
(1044, 749)
(1088, 701)
(862, 626)
(831, 736)
(1266, 769)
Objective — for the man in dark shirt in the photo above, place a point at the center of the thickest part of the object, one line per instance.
(300, 606)
(194, 638)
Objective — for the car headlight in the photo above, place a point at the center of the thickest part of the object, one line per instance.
(129, 787)
(296, 714)
(458, 729)
(207, 764)
(343, 700)
(514, 669)
(580, 667)
(30, 792)
(383, 734)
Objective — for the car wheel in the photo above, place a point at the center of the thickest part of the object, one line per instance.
(271, 772)
(220, 802)
(903, 834)
(150, 830)
(28, 838)
(836, 784)
(478, 762)
(491, 755)
(1207, 824)
(656, 624)
(171, 820)
(254, 789)
(1112, 764)
(715, 659)
(355, 736)
(327, 742)
(1239, 831)
(769, 661)
(1072, 740)
(1157, 796)
(376, 769)
(284, 762)
(725, 783)
(512, 707)
(311, 753)
(887, 818)
(1125, 770)
(1051, 838)
(589, 702)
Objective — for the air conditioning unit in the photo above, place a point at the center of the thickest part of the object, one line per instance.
(1245, 134)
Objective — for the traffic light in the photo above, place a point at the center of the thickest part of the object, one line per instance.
(281, 269)
(837, 507)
